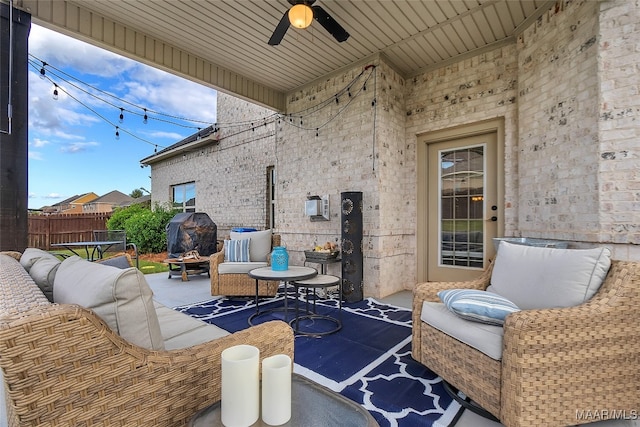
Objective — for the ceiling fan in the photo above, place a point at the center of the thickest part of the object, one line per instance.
(300, 15)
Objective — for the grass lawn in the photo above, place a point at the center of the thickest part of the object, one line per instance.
(148, 263)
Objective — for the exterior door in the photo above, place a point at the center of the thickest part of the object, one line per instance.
(462, 205)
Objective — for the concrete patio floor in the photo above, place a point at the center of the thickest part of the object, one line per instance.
(173, 292)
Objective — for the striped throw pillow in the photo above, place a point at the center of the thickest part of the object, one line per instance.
(236, 250)
(478, 306)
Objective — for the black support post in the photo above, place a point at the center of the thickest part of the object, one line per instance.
(14, 111)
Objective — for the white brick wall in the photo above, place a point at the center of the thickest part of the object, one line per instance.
(568, 93)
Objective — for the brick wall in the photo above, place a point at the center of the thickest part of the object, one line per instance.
(567, 91)
(230, 176)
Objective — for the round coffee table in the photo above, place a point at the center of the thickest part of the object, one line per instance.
(287, 276)
(321, 281)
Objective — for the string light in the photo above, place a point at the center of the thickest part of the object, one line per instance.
(243, 126)
(43, 73)
(55, 92)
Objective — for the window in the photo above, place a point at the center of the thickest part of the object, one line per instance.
(184, 197)
(271, 196)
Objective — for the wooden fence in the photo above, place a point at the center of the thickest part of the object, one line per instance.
(45, 230)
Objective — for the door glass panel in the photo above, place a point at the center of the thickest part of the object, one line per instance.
(461, 176)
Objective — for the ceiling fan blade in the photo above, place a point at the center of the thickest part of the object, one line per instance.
(330, 24)
(280, 30)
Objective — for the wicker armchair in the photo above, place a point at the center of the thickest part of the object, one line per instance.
(63, 366)
(240, 284)
(559, 367)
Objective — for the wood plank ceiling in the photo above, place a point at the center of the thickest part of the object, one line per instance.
(223, 43)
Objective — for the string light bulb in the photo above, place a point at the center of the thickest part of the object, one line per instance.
(121, 118)
(117, 133)
(43, 72)
(55, 92)
(145, 119)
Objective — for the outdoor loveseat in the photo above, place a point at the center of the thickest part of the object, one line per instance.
(127, 360)
(547, 366)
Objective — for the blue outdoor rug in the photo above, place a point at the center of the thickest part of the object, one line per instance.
(368, 360)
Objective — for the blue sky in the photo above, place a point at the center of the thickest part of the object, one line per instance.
(72, 150)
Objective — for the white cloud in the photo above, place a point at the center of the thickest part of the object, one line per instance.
(38, 143)
(78, 147)
(55, 48)
(173, 136)
(173, 95)
(35, 155)
(53, 196)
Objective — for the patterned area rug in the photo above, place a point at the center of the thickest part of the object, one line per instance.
(368, 360)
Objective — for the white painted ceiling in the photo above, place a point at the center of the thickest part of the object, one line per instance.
(414, 36)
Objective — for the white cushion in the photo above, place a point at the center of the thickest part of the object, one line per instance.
(43, 272)
(237, 250)
(482, 337)
(239, 267)
(122, 298)
(535, 277)
(31, 255)
(180, 330)
(478, 306)
(260, 246)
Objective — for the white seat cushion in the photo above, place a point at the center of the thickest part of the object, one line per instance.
(180, 330)
(239, 267)
(534, 277)
(122, 298)
(482, 337)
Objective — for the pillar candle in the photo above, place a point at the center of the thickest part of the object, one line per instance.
(240, 402)
(276, 389)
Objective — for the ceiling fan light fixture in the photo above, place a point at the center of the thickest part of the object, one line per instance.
(300, 16)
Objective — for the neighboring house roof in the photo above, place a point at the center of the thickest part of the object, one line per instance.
(78, 198)
(114, 198)
(137, 200)
(208, 135)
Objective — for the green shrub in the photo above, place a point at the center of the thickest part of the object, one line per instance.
(144, 227)
(121, 215)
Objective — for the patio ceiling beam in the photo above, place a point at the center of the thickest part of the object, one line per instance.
(72, 19)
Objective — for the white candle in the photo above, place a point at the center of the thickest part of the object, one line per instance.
(276, 389)
(240, 403)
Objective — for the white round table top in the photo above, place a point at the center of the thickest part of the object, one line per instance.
(293, 273)
(321, 280)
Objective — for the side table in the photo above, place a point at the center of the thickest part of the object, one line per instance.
(266, 273)
(321, 281)
(311, 405)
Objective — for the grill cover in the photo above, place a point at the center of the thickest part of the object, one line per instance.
(189, 231)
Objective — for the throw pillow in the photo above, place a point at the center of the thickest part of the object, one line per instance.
(122, 298)
(478, 306)
(43, 272)
(237, 250)
(120, 261)
(535, 277)
(260, 243)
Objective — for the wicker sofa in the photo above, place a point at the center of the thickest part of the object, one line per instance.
(64, 365)
(231, 279)
(556, 366)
